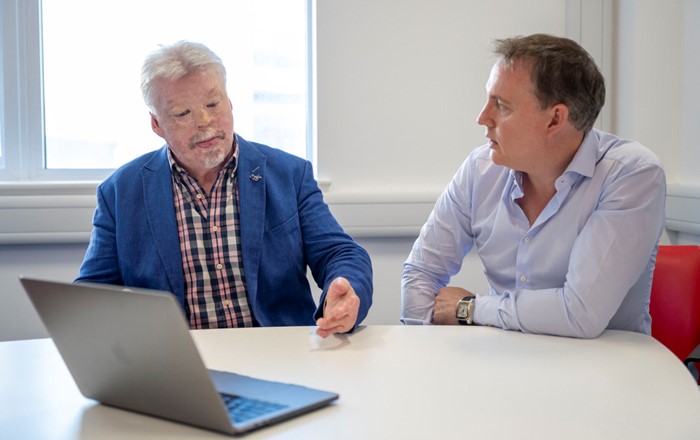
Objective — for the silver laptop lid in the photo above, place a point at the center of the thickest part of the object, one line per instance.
(129, 348)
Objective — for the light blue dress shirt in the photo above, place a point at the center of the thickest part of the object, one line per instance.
(584, 265)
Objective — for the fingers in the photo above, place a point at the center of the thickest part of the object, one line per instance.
(444, 313)
(340, 309)
(328, 326)
(325, 332)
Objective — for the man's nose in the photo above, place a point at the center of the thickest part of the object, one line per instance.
(484, 117)
(203, 118)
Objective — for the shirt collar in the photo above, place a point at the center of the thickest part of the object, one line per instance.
(582, 164)
(586, 156)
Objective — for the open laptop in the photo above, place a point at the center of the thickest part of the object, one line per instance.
(131, 349)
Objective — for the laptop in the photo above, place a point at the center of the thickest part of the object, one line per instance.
(131, 349)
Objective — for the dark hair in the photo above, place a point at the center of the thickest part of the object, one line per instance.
(562, 73)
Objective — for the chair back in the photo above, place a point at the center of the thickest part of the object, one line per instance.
(675, 299)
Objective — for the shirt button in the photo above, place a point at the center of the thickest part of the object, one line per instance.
(199, 196)
(219, 266)
(214, 228)
(526, 239)
(227, 302)
(523, 278)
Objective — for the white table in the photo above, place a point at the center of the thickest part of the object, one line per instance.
(395, 382)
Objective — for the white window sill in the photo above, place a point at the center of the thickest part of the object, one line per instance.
(47, 213)
(683, 208)
(50, 213)
(61, 212)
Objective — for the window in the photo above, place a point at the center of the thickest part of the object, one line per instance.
(77, 76)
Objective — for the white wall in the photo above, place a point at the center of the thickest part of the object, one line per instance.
(648, 92)
(690, 95)
(18, 320)
(655, 94)
(400, 84)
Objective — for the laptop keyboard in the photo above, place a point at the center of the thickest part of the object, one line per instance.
(242, 409)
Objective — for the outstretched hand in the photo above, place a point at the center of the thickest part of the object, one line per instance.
(340, 309)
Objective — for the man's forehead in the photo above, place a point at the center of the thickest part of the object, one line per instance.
(509, 67)
(172, 90)
(513, 65)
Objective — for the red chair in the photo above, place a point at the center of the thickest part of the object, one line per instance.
(675, 301)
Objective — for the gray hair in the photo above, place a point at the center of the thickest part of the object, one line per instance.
(174, 61)
(562, 73)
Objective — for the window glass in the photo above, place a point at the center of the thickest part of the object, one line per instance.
(94, 114)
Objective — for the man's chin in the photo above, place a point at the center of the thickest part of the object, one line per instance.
(214, 160)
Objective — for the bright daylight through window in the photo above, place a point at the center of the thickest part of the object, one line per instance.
(93, 111)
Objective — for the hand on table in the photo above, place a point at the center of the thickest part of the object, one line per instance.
(445, 312)
(340, 309)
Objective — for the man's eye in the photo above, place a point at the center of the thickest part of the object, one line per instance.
(500, 106)
(212, 104)
(181, 114)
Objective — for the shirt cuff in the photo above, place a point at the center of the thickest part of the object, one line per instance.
(486, 310)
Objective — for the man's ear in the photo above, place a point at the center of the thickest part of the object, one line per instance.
(559, 115)
(155, 125)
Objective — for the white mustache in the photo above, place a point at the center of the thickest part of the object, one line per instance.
(204, 136)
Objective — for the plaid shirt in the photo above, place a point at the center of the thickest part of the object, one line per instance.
(209, 231)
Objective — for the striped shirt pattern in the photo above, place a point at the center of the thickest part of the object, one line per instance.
(209, 232)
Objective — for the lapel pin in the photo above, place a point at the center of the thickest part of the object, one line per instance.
(255, 177)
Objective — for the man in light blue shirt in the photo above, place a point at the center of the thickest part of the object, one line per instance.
(566, 219)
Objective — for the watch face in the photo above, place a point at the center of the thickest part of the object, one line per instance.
(462, 310)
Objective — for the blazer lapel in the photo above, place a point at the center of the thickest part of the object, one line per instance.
(160, 212)
(251, 190)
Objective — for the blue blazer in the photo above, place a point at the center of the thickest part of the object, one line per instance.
(285, 228)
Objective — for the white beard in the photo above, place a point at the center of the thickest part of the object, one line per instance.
(215, 159)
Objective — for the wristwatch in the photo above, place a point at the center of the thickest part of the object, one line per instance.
(465, 310)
